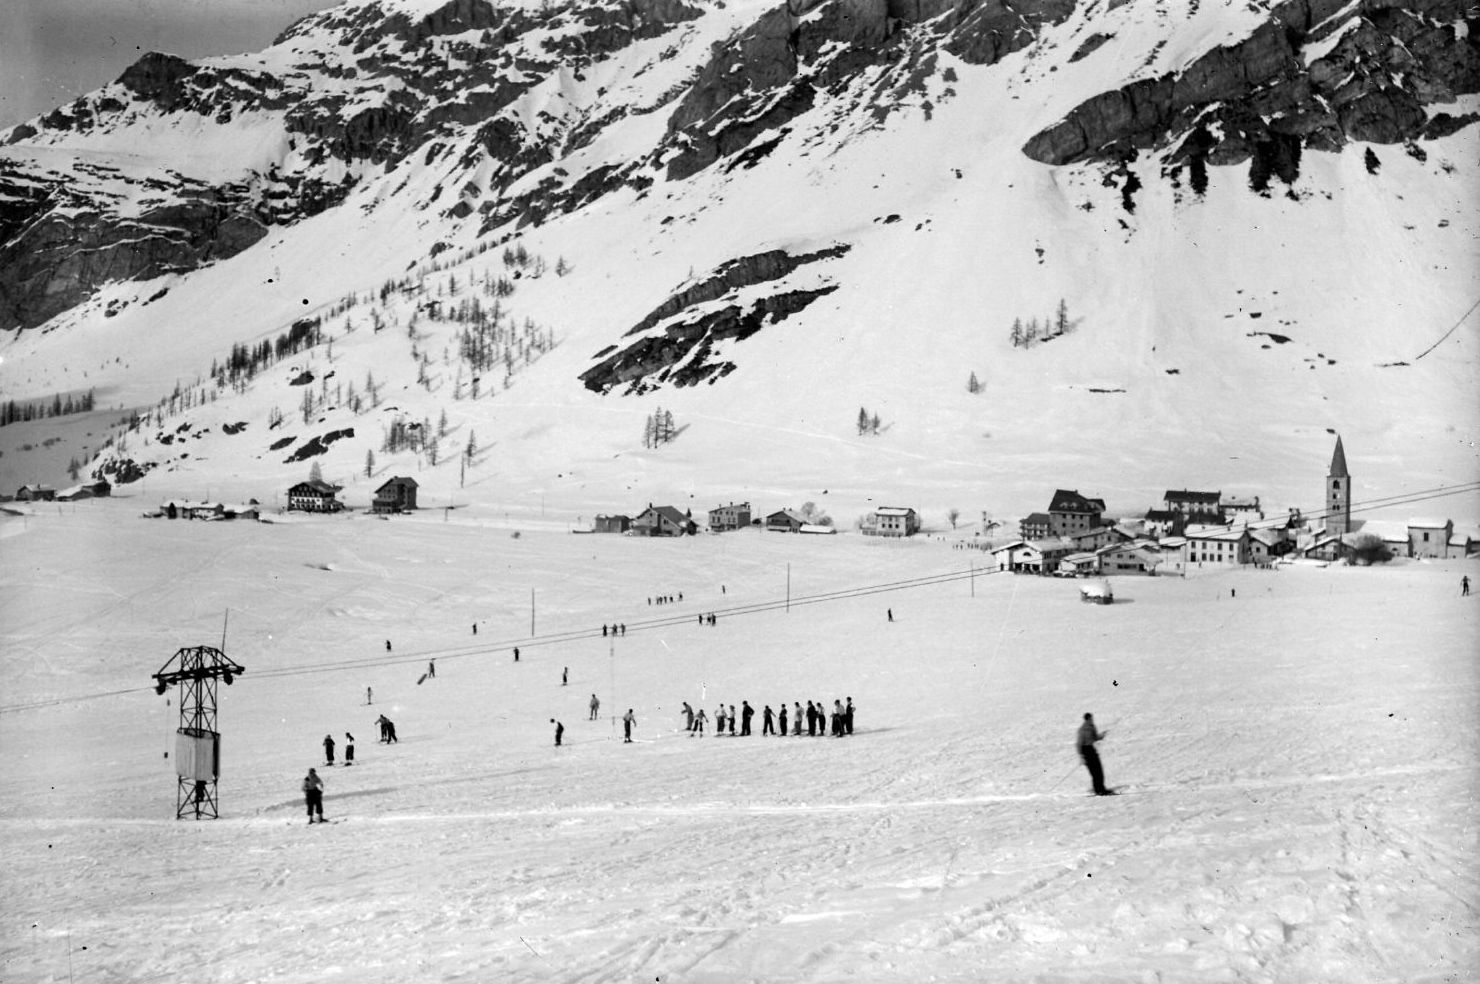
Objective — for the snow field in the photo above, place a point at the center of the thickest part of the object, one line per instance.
(1299, 762)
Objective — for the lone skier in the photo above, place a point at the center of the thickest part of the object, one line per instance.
(595, 706)
(349, 749)
(328, 749)
(313, 795)
(1086, 739)
(559, 731)
(629, 721)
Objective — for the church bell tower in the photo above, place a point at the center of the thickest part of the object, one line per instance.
(1338, 494)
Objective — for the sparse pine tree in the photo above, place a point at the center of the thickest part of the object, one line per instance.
(873, 424)
(953, 514)
(315, 473)
(1017, 332)
(472, 447)
(973, 385)
(1061, 318)
(369, 462)
(442, 424)
(561, 267)
(73, 467)
(862, 421)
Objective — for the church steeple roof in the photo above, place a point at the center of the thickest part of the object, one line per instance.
(1338, 461)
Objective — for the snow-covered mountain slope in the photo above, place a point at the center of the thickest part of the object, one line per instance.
(763, 218)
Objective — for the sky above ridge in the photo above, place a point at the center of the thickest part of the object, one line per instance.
(52, 51)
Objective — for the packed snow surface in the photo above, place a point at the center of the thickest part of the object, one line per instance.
(1296, 751)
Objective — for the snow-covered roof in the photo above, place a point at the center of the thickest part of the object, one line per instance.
(893, 511)
(1216, 533)
(1428, 523)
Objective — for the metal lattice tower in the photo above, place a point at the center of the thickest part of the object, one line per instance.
(195, 669)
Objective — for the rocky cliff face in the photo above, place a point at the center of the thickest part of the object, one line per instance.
(676, 342)
(504, 101)
(1317, 75)
(352, 92)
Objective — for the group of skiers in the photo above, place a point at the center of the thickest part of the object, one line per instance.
(819, 721)
(349, 749)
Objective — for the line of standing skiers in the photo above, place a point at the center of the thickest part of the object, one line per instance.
(818, 720)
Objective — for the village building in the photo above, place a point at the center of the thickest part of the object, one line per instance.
(1033, 556)
(1266, 545)
(731, 517)
(74, 493)
(1241, 507)
(616, 523)
(1079, 565)
(35, 493)
(1128, 558)
(663, 521)
(1173, 551)
(1164, 522)
(1092, 539)
(1429, 538)
(1194, 507)
(817, 529)
(1218, 545)
(1069, 512)
(1003, 554)
(785, 521)
(395, 496)
(891, 521)
(1035, 526)
(314, 496)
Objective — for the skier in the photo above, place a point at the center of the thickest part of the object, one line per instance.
(688, 717)
(821, 720)
(384, 734)
(768, 722)
(431, 668)
(848, 717)
(1464, 586)
(782, 715)
(719, 720)
(349, 749)
(328, 749)
(559, 731)
(516, 654)
(603, 630)
(732, 719)
(629, 721)
(390, 731)
(811, 720)
(746, 713)
(565, 676)
(796, 719)
(891, 614)
(313, 795)
(699, 720)
(369, 696)
(595, 706)
(1086, 740)
(387, 645)
(475, 628)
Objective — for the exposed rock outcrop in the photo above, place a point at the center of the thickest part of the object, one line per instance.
(774, 70)
(677, 338)
(1305, 76)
